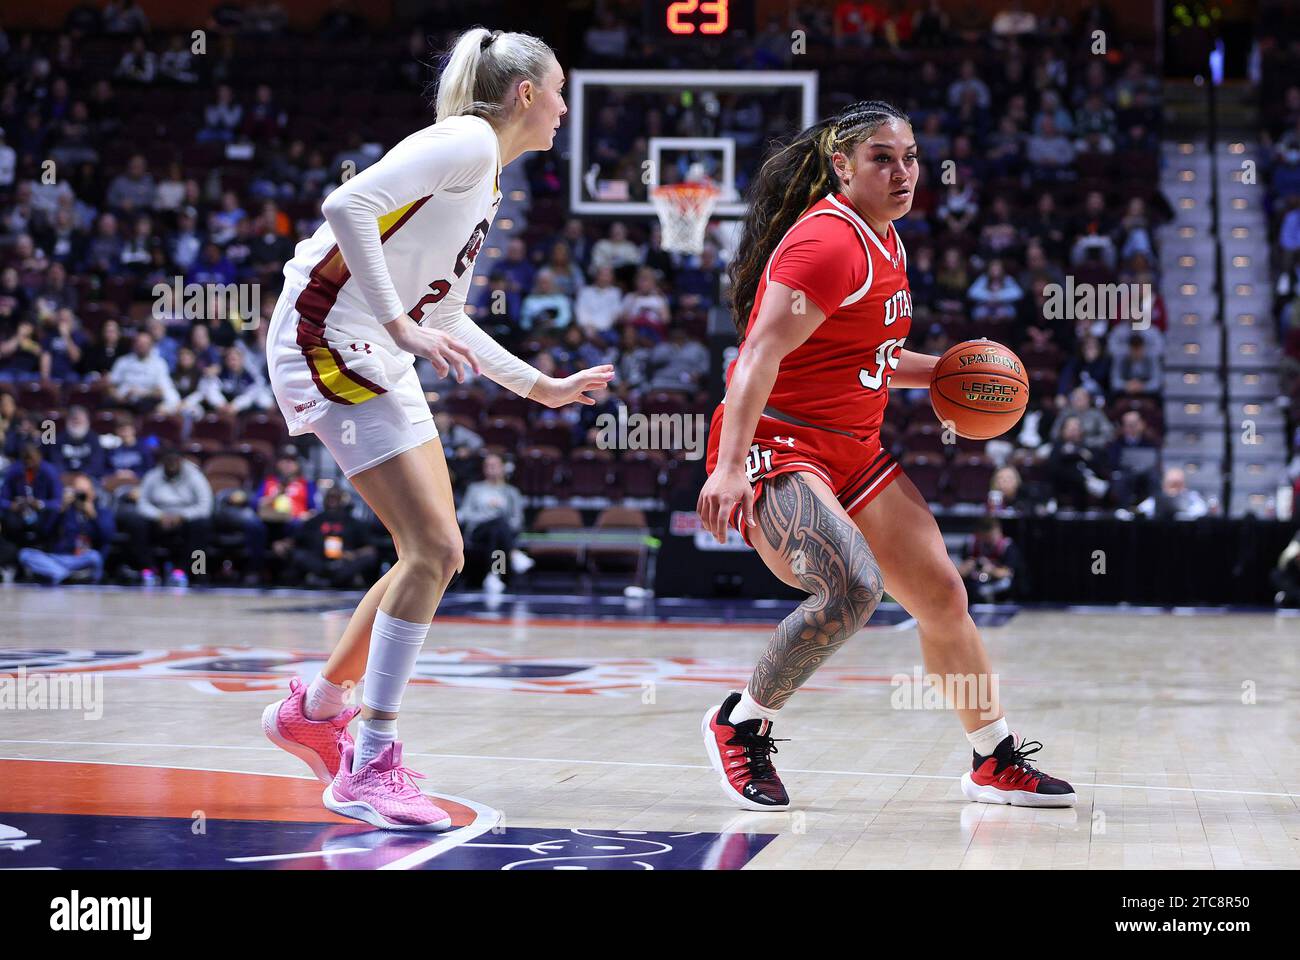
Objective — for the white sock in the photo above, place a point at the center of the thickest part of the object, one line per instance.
(373, 736)
(986, 739)
(394, 645)
(750, 709)
(324, 700)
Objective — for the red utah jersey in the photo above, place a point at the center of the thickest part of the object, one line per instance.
(839, 377)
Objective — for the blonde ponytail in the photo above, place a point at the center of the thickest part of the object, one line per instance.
(482, 65)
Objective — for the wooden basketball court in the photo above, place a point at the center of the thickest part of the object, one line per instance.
(569, 739)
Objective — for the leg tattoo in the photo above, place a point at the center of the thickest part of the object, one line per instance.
(833, 562)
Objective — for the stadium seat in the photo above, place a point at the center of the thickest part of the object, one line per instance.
(639, 473)
(926, 472)
(591, 472)
(969, 479)
(535, 470)
(167, 427)
(606, 558)
(504, 432)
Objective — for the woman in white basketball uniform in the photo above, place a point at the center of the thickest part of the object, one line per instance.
(381, 282)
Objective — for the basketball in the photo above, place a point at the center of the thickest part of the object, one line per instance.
(980, 388)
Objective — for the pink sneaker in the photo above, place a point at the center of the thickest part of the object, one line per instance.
(383, 794)
(318, 743)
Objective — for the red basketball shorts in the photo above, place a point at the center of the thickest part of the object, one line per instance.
(857, 470)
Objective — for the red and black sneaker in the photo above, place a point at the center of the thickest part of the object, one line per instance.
(740, 753)
(1007, 777)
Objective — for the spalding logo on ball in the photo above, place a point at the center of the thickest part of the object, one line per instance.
(980, 388)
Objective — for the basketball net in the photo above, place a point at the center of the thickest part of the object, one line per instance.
(683, 210)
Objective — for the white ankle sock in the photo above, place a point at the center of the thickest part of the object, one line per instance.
(986, 739)
(324, 700)
(750, 709)
(373, 736)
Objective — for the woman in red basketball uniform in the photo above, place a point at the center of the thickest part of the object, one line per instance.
(795, 462)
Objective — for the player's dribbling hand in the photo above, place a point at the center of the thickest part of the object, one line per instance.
(721, 492)
(557, 391)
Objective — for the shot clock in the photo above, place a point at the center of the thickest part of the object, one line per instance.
(700, 19)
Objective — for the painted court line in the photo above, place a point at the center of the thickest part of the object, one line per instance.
(609, 763)
(485, 817)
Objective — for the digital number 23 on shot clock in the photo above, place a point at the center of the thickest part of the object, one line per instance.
(708, 17)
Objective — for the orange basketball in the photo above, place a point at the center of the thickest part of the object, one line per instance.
(981, 388)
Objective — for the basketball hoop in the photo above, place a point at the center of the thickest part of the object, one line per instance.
(684, 210)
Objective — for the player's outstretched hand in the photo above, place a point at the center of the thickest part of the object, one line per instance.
(721, 492)
(557, 391)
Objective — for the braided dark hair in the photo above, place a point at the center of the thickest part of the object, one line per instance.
(790, 181)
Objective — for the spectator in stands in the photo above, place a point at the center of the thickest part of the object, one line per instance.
(103, 251)
(1285, 576)
(78, 541)
(457, 439)
(9, 415)
(140, 379)
(1006, 490)
(138, 64)
(1093, 231)
(516, 266)
(1000, 235)
(133, 190)
(564, 272)
(1134, 462)
(125, 17)
(263, 120)
(491, 515)
(230, 389)
(286, 494)
(1175, 501)
(1089, 368)
(62, 346)
(1095, 425)
(221, 119)
(698, 284)
(678, 363)
(177, 62)
(15, 301)
(969, 81)
(1049, 152)
(599, 304)
(995, 294)
(959, 209)
(545, 307)
(1136, 373)
(331, 548)
(8, 163)
(206, 354)
(991, 566)
(173, 509)
(645, 307)
(77, 448)
(1071, 466)
(577, 351)
(575, 235)
(615, 250)
(125, 455)
(29, 498)
(21, 357)
(951, 282)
